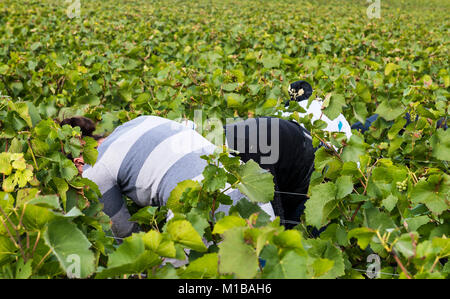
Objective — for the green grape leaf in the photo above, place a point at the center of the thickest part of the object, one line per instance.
(182, 232)
(415, 223)
(130, 257)
(235, 256)
(440, 142)
(71, 247)
(5, 163)
(159, 243)
(61, 187)
(245, 209)
(255, 183)
(344, 186)
(390, 67)
(234, 99)
(144, 215)
(433, 192)
(390, 202)
(67, 169)
(290, 266)
(320, 249)
(174, 202)
(46, 201)
(321, 267)
(203, 267)
(363, 236)
(90, 152)
(199, 220)
(334, 108)
(215, 178)
(6, 201)
(354, 149)
(406, 244)
(271, 61)
(321, 203)
(227, 223)
(390, 109)
(289, 239)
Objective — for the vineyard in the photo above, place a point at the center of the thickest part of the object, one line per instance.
(378, 203)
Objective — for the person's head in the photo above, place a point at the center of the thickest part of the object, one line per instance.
(299, 91)
(87, 127)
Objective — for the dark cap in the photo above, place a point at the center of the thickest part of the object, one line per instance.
(299, 91)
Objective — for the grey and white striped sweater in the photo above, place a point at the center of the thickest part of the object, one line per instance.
(144, 159)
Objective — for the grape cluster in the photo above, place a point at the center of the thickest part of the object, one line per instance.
(402, 186)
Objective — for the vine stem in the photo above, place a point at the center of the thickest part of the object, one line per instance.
(62, 147)
(21, 216)
(213, 208)
(7, 218)
(18, 244)
(327, 145)
(32, 154)
(342, 212)
(6, 150)
(43, 258)
(27, 235)
(412, 175)
(231, 186)
(28, 244)
(356, 211)
(366, 179)
(399, 262)
(434, 264)
(17, 228)
(10, 234)
(36, 243)
(211, 224)
(391, 251)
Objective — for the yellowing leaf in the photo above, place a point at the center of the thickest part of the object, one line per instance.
(390, 67)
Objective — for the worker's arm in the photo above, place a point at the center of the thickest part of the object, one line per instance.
(114, 204)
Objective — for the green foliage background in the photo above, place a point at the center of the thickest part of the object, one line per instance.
(384, 192)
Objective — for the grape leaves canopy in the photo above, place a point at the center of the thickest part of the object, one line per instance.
(383, 192)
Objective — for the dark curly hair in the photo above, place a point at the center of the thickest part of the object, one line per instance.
(86, 125)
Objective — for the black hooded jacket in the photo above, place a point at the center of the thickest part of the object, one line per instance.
(292, 167)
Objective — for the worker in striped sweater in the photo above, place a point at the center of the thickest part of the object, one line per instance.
(144, 159)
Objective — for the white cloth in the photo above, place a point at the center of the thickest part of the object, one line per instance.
(188, 124)
(339, 124)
